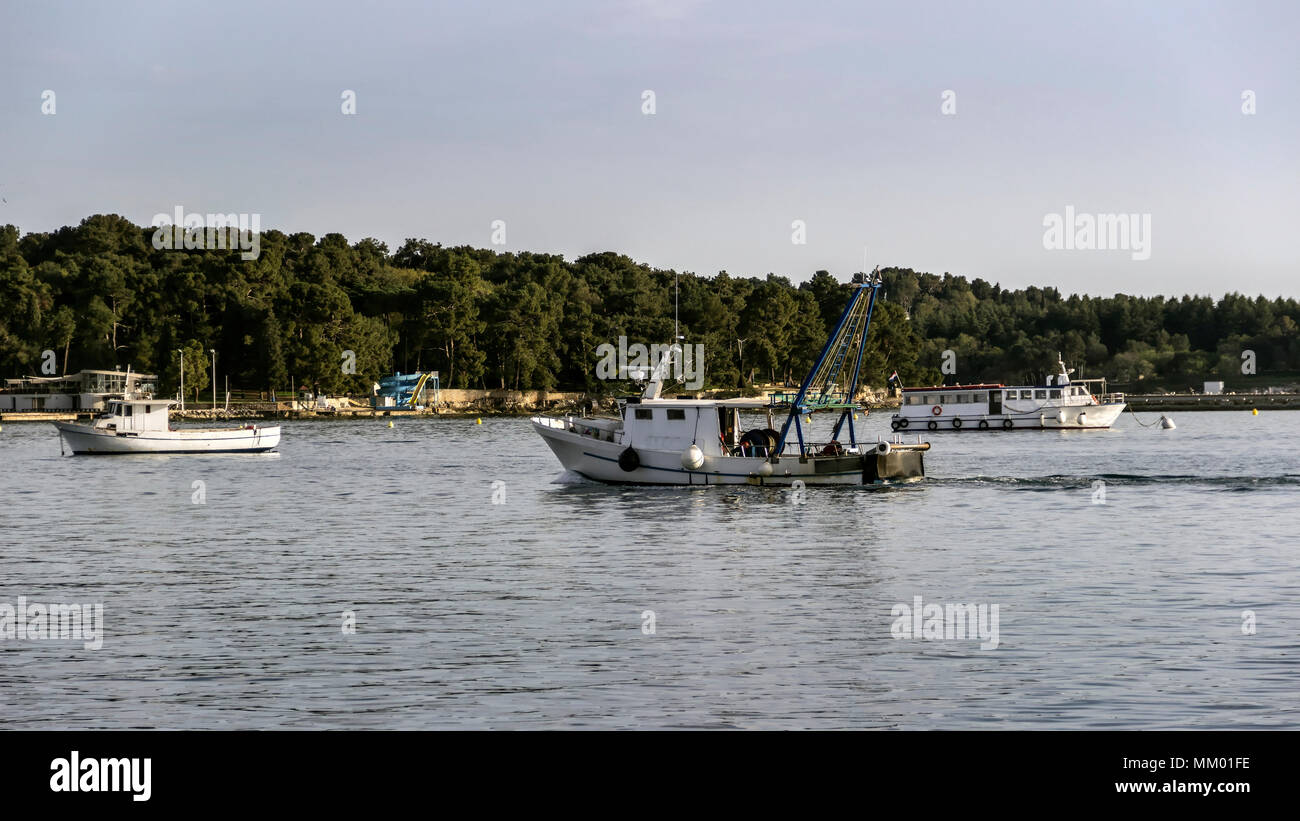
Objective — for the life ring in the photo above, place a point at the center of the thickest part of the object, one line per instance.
(1007, 424)
(894, 424)
(956, 423)
(984, 424)
(932, 425)
(628, 460)
(937, 410)
(904, 422)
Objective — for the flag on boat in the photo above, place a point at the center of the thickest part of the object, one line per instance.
(894, 377)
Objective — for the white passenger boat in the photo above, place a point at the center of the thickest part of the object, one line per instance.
(657, 441)
(142, 426)
(1061, 404)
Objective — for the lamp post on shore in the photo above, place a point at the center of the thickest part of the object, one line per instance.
(213, 351)
(181, 354)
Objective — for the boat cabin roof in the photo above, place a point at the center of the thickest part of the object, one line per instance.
(987, 386)
(751, 402)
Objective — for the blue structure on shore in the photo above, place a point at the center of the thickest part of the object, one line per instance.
(407, 391)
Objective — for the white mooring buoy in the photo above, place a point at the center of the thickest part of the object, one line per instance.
(1167, 423)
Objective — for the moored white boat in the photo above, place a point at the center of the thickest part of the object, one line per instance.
(142, 426)
(1061, 404)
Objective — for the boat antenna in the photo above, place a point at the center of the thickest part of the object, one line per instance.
(676, 336)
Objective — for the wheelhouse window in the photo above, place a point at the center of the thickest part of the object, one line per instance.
(981, 397)
(644, 413)
(1056, 393)
(1040, 394)
(676, 414)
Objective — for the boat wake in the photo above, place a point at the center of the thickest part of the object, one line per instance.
(1058, 481)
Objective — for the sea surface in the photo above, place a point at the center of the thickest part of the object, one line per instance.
(1167, 596)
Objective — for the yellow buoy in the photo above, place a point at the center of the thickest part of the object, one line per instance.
(390, 424)
(1254, 411)
(478, 421)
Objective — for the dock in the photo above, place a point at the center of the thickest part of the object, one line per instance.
(45, 416)
(1212, 402)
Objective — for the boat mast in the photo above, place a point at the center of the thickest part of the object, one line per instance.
(820, 389)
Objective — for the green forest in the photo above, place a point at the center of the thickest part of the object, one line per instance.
(101, 296)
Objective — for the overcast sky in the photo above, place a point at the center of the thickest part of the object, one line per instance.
(764, 114)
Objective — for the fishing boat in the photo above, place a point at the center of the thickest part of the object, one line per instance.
(660, 441)
(1061, 403)
(143, 426)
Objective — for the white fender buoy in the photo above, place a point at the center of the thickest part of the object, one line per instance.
(1082, 418)
(765, 469)
(1060, 417)
(693, 458)
(1167, 423)
(883, 448)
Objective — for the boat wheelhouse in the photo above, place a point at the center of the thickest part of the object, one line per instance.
(143, 426)
(1060, 404)
(659, 441)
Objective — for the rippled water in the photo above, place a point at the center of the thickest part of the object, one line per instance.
(767, 614)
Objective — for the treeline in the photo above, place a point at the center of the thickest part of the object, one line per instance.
(1136, 342)
(99, 295)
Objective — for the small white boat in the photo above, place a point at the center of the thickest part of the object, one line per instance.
(142, 426)
(657, 441)
(1061, 404)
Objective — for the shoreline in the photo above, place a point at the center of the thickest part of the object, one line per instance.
(501, 405)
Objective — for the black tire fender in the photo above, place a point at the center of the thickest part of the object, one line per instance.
(628, 460)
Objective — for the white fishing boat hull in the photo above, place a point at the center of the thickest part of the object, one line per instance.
(597, 459)
(83, 439)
